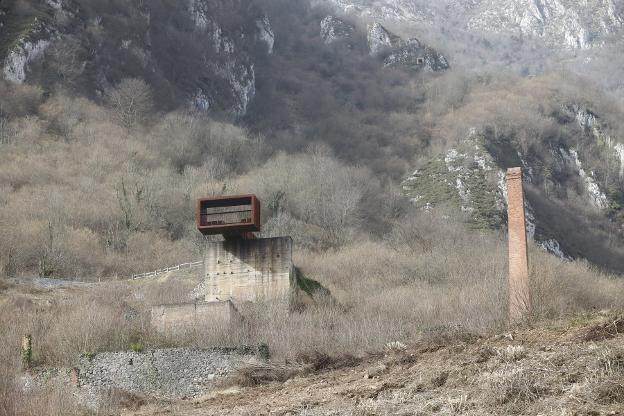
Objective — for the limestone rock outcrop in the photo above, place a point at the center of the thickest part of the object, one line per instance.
(381, 40)
(409, 53)
(334, 30)
(562, 24)
(471, 175)
(211, 66)
(568, 23)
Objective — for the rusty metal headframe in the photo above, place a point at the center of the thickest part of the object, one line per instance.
(232, 216)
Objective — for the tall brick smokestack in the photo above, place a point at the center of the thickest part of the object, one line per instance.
(519, 293)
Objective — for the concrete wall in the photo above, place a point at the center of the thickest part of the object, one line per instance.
(248, 270)
(172, 319)
(235, 271)
(173, 373)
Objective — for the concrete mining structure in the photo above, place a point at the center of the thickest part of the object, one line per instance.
(519, 291)
(235, 217)
(248, 270)
(185, 317)
(241, 268)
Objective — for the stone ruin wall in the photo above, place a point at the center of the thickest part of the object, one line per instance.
(235, 272)
(177, 319)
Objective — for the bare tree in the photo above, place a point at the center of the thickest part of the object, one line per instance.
(131, 101)
(66, 60)
(7, 131)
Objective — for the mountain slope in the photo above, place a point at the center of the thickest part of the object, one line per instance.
(201, 53)
(392, 98)
(574, 173)
(560, 23)
(568, 24)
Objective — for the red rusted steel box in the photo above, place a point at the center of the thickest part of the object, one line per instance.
(228, 215)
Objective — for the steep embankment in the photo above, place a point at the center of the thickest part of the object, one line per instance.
(566, 367)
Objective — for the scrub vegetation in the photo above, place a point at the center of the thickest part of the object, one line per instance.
(98, 185)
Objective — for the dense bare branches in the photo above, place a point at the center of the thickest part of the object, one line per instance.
(131, 101)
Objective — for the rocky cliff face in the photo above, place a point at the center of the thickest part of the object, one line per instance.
(410, 53)
(385, 45)
(471, 175)
(335, 30)
(195, 49)
(568, 24)
(403, 10)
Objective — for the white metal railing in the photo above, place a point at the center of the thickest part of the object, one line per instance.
(183, 266)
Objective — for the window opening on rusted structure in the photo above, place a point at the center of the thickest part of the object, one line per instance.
(232, 216)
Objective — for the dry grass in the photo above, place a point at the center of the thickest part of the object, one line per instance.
(53, 400)
(385, 292)
(553, 375)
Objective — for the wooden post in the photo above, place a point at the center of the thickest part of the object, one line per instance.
(75, 376)
(26, 352)
(519, 292)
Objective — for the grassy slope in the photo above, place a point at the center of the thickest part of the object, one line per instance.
(571, 367)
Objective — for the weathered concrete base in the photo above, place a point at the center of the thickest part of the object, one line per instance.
(248, 270)
(180, 318)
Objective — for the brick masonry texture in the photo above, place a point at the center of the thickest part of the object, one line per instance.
(519, 298)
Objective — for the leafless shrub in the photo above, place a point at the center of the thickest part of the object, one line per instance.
(66, 60)
(54, 399)
(516, 386)
(7, 131)
(316, 190)
(609, 391)
(261, 374)
(19, 100)
(130, 101)
(604, 331)
(570, 280)
(120, 399)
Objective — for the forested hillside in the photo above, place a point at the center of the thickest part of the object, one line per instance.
(376, 134)
(115, 118)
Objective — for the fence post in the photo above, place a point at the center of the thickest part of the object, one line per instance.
(519, 292)
(26, 352)
(75, 376)
(180, 266)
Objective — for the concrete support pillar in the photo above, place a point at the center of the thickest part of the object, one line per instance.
(519, 292)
